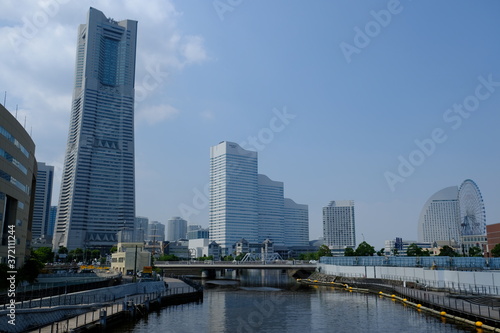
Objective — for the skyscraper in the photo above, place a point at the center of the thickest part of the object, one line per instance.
(176, 229)
(440, 217)
(43, 197)
(270, 211)
(156, 232)
(233, 195)
(98, 188)
(454, 215)
(141, 228)
(339, 224)
(247, 205)
(296, 223)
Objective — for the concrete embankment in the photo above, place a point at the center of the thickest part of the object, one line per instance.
(433, 302)
(87, 312)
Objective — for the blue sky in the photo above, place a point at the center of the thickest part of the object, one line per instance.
(359, 82)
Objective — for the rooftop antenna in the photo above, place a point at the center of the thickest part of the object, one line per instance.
(16, 110)
(24, 121)
(4, 98)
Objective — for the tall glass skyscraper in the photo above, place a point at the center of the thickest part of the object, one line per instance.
(43, 197)
(98, 188)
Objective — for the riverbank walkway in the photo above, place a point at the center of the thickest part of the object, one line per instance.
(175, 287)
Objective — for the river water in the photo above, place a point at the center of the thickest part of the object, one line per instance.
(267, 306)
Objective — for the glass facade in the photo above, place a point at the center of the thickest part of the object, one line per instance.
(98, 184)
(43, 196)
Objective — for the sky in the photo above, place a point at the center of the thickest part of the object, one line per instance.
(380, 102)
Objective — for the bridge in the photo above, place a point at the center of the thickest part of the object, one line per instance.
(191, 267)
(210, 264)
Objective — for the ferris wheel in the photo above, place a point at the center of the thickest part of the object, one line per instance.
(472, 213)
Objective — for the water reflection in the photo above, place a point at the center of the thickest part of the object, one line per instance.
(273, 302)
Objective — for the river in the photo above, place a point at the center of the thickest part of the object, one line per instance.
(284, 307)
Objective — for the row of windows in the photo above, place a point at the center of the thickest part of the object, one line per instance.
(17, 183)
(12, 139)
(11, 159)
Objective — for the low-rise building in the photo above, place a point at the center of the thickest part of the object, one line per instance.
(130, 258)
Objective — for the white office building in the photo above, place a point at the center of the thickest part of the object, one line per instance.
(339, 225)
(233, 195)
(270, 211)
(440, 217)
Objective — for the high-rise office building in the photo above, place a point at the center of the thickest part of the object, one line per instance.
(455, 215)
(233, 195)
(339, 224)
(43, 197)
(156, 232)
(271, 221)
(250, 206)
(17, 190)
(296, 224)
(176, 229)
(97, 196)
(141, 228)
(440, 217)
(52, 221)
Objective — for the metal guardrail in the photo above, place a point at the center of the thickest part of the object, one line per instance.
(436, 262)
(235, 262)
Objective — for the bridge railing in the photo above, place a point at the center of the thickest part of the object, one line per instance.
(234, 262)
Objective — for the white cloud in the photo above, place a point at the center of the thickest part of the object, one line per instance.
(156, 114)
(38, 43)
(207, 114)
(193, 50)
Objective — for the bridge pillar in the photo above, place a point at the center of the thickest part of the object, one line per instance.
(208, 274)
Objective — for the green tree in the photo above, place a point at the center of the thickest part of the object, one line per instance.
(414, 250)
(62, 250)
(395, 252)
(324, 251)
(381, 252)
(113, 249)
(78, 253)
(43, 254)
(349, 252)
(365, 249)
(495, 252)
(96, 254)
(228, 258)
(168, 257)
(30, 271)
(475, 252)
(447, 251)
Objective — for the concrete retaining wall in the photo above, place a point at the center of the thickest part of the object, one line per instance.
(488, 281)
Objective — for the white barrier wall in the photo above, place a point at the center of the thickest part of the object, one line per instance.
(429, 277)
